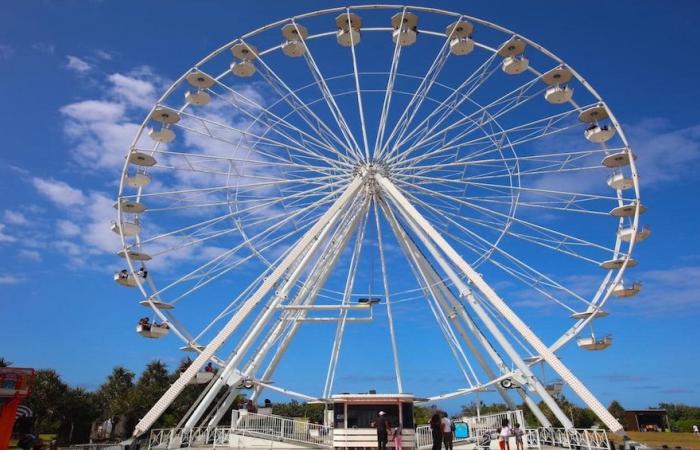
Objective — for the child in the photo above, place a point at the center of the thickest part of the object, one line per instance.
(519, 433)
(397, 437)
(504, 435)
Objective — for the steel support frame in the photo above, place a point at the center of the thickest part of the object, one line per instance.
(231, 375)
(449, 301)
(431, 238)
(208, 352)
(302, 303)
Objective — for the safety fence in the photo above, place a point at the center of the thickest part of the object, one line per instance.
(171, 438)
(282, 429)
(476, 426)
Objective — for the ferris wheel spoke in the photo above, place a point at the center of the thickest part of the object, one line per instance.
(453, 101)
(510, 218)
(283, 220)
(298, 105)
(243, 135)
(277, 162)
(478, 118)
(534, 130)
(495, 248)
(419, 95)
(336, 112)
(358, 91)
(255, 207)
(427, 286)
(223, 270)
(388, 93)
(563, 159)
(564, 196)
(272, 118)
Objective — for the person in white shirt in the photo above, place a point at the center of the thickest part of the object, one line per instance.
(503, 435)
(446, 432)
(696, 432)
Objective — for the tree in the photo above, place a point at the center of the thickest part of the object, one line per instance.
(114, 396)
(617, 411)
(5, 363)
(48, 396)
(151, 385)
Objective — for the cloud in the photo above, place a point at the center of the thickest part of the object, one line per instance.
(30, 255)
(679, 287)
(102, 129)
(6, 51)
(10, 279)
(45, 48)
(664, 153)
(623, 378)
(59, 192)
(133, 91)
(94, 111)
(15, 218)
(103, 55)
(4, 237)
(67, 228)
(77, 65)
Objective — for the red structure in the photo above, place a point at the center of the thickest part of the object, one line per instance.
(15, 385)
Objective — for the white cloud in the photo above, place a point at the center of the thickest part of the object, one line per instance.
(102, 129)
(31, 255)
(5, 51)
(15, 218)
(133, 91)
(103, 54)
(4, 237)
(43, 47)
(664, 153)
(59, 192)
(674, 290)
(67, 228)
(10, 279)
(94, 111)
(77, 65)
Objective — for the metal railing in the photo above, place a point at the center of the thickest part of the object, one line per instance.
(103, 446)
(494, 421)
(282, 429)
(573, 438)
(194, 437)
(477, 426)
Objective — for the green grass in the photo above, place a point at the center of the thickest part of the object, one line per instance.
(656, 440)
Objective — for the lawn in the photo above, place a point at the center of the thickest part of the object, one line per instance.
(656, 440)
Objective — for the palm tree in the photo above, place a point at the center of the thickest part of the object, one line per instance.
(4, 362)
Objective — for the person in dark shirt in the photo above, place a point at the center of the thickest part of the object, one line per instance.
(383, 430)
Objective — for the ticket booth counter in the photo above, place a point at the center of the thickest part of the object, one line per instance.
(354, 417)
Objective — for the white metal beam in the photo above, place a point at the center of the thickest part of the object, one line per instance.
(576, 385)
(179, 385)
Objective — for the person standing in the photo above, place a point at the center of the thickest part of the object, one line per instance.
(383, 429)
(696, 432)
(504, 435)
(519, 433)
(436, 428)
(446, 432)
(397, 437)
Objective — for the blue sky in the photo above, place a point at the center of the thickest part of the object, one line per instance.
(59, 172)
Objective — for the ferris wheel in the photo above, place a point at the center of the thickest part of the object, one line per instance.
(353, 165)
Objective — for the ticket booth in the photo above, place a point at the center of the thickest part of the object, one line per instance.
(354, 417)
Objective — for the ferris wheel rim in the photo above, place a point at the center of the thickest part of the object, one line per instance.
(601, 296)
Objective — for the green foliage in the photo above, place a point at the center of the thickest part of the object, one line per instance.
(294, 408)
(682, 417)
(617, 411)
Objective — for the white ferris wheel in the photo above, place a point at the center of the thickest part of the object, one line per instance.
(358, 164)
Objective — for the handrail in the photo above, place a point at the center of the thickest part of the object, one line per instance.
(282, 429)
